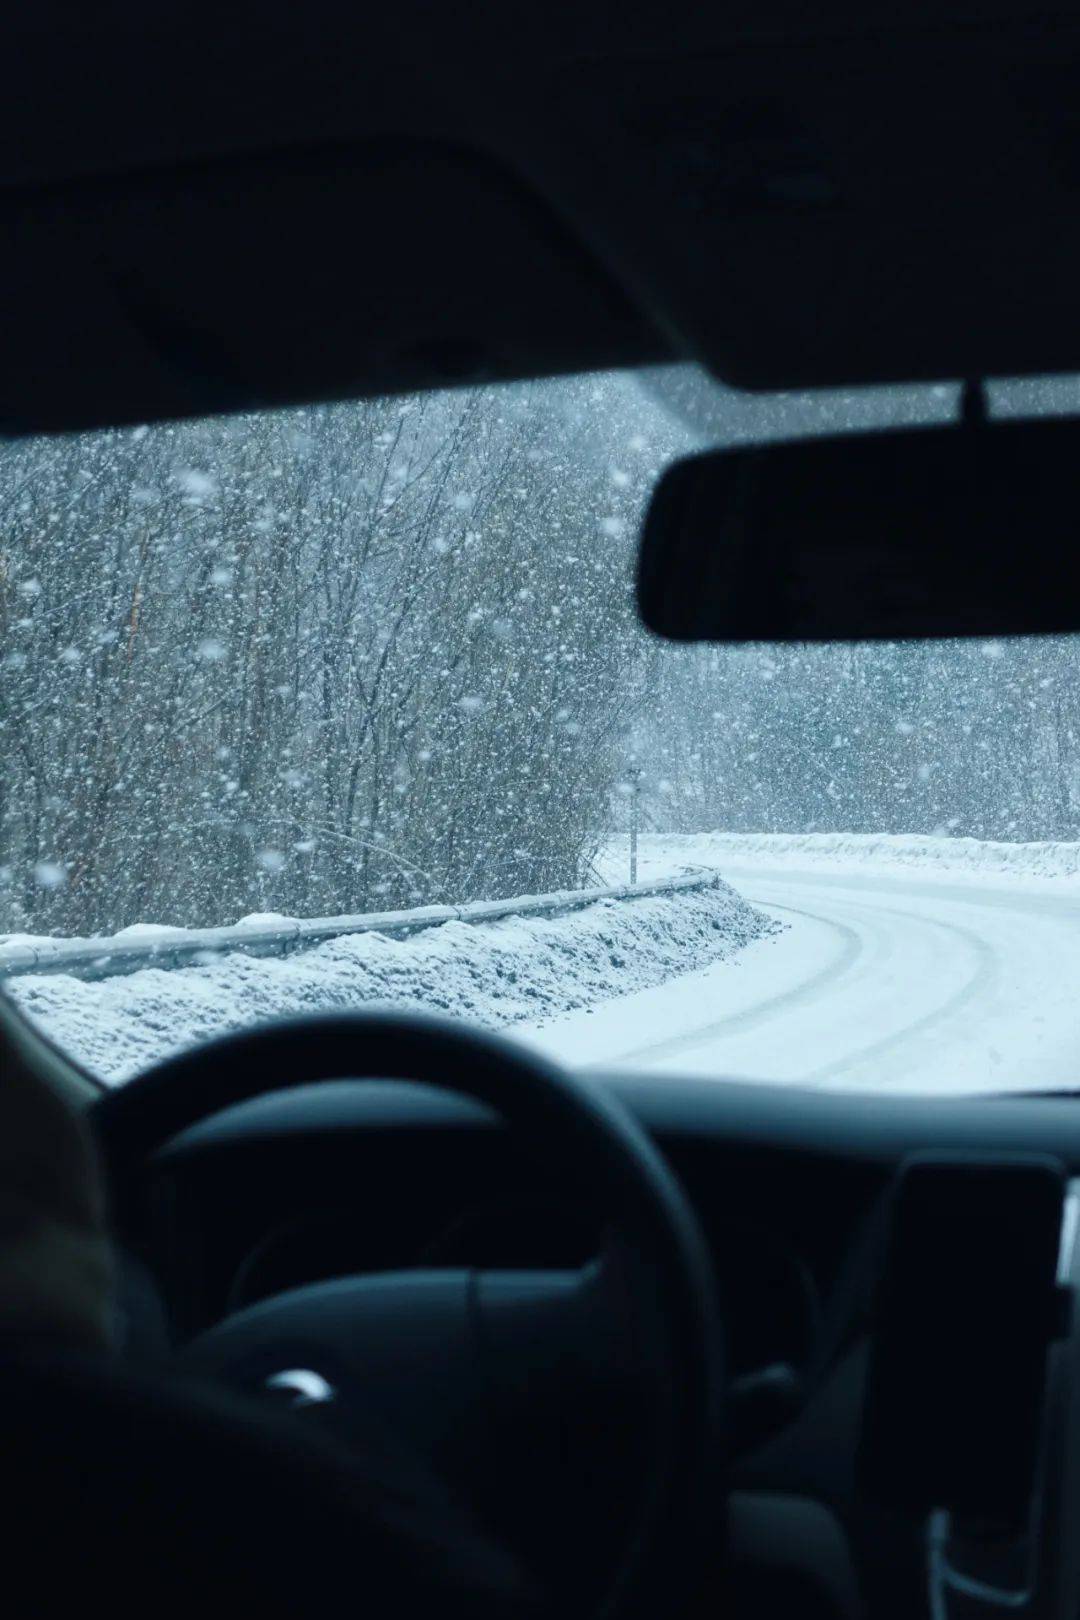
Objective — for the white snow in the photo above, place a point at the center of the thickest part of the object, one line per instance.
(135, 931)
(855, 961)
(515, 971)
(918, 964)
(49, 875)
(960, 859)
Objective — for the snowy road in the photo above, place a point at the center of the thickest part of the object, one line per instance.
(911, 962)
(909, 981)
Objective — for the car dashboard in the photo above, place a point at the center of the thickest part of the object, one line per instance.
(792, 1188)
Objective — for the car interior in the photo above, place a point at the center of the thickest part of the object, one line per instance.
(482, 1336)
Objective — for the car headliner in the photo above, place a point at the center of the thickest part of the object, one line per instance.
(220, 208)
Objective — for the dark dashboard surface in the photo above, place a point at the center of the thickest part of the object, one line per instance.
(791, 1186)
(367, 1175)
(874, 1127)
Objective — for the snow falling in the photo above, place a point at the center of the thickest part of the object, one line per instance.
(377, 655)
(331, 660)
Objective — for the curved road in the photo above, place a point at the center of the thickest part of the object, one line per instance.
(880, 978)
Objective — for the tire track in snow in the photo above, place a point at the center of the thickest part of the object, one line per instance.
(981, 983)
(865, 946)
(883, 980)
(851, 950)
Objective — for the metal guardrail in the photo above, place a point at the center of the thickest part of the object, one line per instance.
(108, 957)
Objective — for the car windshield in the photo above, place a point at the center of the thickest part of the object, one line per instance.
(348, 705)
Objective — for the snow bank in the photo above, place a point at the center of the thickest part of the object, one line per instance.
(520, 969)
(960, 859)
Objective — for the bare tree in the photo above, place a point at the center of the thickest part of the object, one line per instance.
(315, 661)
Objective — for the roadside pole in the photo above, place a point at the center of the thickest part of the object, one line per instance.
(635, 797)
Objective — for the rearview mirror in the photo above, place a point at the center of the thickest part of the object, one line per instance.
(965, 530)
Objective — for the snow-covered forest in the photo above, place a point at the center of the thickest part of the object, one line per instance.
(323, 661)
(359, 656)
(977, 738)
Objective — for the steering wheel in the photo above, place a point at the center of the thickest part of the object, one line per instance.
(476, 1366)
